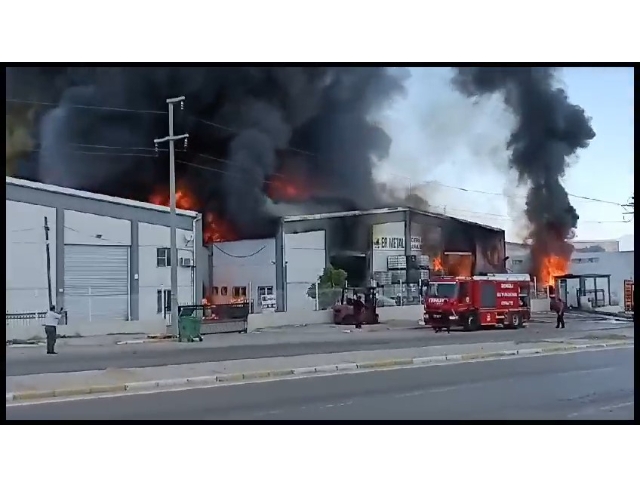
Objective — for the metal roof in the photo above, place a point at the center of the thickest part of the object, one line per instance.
(94, 196)
(382, 211)
(577, 276)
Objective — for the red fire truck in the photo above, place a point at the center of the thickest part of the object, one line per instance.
(478, 301)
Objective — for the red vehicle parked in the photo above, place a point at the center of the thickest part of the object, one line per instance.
(479, 301)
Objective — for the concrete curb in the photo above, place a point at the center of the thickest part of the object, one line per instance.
(145, 340)
(323, 369)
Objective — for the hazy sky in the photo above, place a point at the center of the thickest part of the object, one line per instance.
(440, 136)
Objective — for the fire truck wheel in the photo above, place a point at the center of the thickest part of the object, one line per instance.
(471, 323)
(519, 321)
(510, 321)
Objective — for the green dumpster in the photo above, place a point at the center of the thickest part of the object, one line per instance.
(189, 328)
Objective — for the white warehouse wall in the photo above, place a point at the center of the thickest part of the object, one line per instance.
(151, 278)
(305, 259)
(26, 270)
(244, 263)
(89, 229)
(618, 264)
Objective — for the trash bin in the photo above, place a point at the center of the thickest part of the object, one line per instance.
(189, 329)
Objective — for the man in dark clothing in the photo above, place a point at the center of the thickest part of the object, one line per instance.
(560, 313)
(358, 307)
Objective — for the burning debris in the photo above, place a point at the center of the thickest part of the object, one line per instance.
(241, 122)
(458, 264)
(549, 129)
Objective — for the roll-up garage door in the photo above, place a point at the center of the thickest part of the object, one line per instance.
(96, 280)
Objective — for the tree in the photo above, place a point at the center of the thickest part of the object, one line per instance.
(330, 284)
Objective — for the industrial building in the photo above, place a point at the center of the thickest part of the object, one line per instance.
(368, 245)
(109, 257)
(599, 278)
(598, 267)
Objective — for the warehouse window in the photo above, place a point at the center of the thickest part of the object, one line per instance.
(517, 261)
(265, 290)
(215, 290)
(163, 257)
(224, 291)
(239, 292)
(163, 300)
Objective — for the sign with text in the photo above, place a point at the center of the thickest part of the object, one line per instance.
(388, 243)
(268, 303)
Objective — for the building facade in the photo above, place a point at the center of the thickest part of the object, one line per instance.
(617, 265)
(519, 261)
(109, 258)
(612, 245)
(363, 243)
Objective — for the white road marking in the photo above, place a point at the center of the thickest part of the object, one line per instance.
(589, 371)
(310, 376)
(617, 406)
(611, 407)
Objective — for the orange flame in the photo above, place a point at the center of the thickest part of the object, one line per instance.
(552, 267)
(456, 265)
(214, 228)
(217, 230)
(184, 200)
(287, 188)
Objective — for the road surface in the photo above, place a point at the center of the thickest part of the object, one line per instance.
(24, 361)
(575, 386)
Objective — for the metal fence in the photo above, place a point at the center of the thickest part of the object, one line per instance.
(218, 318)
(32, 318)
(309, 295)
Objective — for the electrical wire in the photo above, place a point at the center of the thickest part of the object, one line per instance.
(89, 107)
(227, 173)
(240, 256)
(587, 198)
(229, 129)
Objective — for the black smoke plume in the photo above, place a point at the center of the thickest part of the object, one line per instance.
(548, 130)
(256, 115)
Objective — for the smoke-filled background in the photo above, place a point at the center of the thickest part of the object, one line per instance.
(264, 142)
(548, 130)
(257, 136)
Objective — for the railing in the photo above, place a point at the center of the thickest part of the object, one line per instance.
(218, 318)
(310, 296)
(31, 318)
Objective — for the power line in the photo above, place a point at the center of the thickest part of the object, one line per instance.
(467, 190)
(90, 107)
(294, 149)
(443, 208)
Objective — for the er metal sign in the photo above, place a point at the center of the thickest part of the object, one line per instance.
(388, 243)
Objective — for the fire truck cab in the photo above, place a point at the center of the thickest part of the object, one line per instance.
(478, 301)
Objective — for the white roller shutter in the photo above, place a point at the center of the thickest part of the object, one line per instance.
(96, 280)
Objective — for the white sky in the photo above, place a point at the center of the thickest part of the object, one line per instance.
(439, 135)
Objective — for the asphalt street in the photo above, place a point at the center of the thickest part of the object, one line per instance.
(576, 386)
(73, 359)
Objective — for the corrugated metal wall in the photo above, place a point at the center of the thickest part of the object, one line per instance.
(96, 282)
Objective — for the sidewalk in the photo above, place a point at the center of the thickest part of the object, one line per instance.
(120, 380)
(302, 329)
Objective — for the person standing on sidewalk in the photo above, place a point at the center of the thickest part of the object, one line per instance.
(560, 313)
(51, 320)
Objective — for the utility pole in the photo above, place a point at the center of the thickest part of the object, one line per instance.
(171, 138)
(46, 246)
(629, 209)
